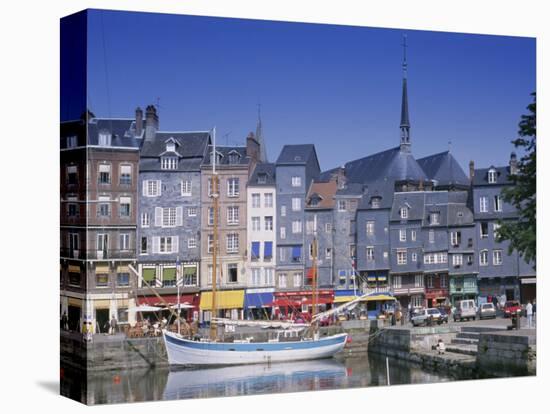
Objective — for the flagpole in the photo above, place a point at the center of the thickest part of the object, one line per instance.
(178, 293)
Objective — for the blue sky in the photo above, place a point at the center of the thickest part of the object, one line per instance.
(338, 87)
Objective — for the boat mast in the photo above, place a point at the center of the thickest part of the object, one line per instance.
(214, 189)
(314, 277)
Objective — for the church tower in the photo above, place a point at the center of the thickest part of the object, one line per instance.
(405, 125)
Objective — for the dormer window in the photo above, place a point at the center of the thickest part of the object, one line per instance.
(375, 202)
(404, 212)
(234, 158)
(104, 139)
(492, 176)
(262, 178)
(434, 218)
(71, 141)
(171, 147)
(314, 201)
(169, 163)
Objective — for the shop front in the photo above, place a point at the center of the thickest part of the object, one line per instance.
(463, 287)
(504, 288)
(258, 304)
(188, 299)
(437, 297)
(528, 289)
(288, 305)
(74, 313)
(229, 304)
(344, 296)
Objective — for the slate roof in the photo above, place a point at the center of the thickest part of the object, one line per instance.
(444, 169)
(385, 194)
(389, 166)
(414, 201)
(225, 151)
(263, 168)
(296, 154)
(122, 132)
(73, 128)
(481, 176)
(190, 149)
(350, 189)
(325, 191)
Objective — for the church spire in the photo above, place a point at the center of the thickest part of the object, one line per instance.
(260, 136)
(405, 125)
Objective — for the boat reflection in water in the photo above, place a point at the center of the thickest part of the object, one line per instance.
(254, 379)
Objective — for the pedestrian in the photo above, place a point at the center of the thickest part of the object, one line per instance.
(64, 321)
(529, 313)
(440, 347)
(113, 325)
(535, 311)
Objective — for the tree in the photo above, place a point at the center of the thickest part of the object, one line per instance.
(522, 233)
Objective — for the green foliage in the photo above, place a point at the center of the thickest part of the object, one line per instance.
(522, 233)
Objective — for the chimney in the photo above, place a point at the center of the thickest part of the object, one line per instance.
(139, 121)
(151, 122)
(340, 177)
(472, 171)
(513, 164)
(252, 147)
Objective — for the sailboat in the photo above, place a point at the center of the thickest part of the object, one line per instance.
(290, 346)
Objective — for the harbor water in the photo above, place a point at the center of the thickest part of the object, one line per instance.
(169, 384)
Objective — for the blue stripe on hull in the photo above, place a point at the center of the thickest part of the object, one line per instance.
(257, 346)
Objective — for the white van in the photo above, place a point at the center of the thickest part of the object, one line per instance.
(466, 309)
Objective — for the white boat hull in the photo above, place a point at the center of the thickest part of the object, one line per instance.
(188, 353)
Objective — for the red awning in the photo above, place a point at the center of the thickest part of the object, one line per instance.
(170, 299)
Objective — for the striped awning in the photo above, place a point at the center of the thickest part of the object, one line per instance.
(229, 299)
(343, 299)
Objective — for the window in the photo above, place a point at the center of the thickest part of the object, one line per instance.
(469, 259)
(210, 241)
(483, 258)
(455, 238)
(268, 251)
(492, 176)
(457, 260)
(210, 212)
(255, 224)
(234, 158)
(370, 228)
(151, 188)
(124, 241)
(328, 227)
(430, 281)
(104, 208)
(209, 274)
(104, 174)
(123, 279)
(72, 141)
(370, 254)
(496, 226)
(296, 181)
(168, 244)
(256, 276)
(484, 229)
(341, 205)
(268, 220)
(74, 278)
(297, 226)
(497, 257)
(143, 249)
(401, 257)
(125, 175)
(352, 251)
(431, 236)
(169, 217)
(282, 254)
(232, 243)
(192, 211)
(434, 218)
(310, 251)
(209, 183)
(296, 204)
(483, 204)
(124, 207)
(255, 200)
(442, 257)
(233, 187)
(104, 139)
(402, 235)
(232, 215)
(413, 235)
(171, 146)
(145, 220)
(297, 279)
(232, 273)
(328, 253)
(375, 202)
(404, 212)
(283, 211)
(282, 280)
(186, 188)
(102, 279)
(309, 226)
(169, 163)
(72, 175)
(396, 282)
(414, 257)
(282, 233)
(72, 210)
(498, 203)
(269, 277)
(268, 200)
(191, 243)
(418, 281)
(262, 178)
(442, 281)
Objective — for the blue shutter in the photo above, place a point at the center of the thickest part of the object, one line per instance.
(255, 250)
(268, 249)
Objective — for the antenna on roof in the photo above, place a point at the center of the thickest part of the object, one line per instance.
(226, 136)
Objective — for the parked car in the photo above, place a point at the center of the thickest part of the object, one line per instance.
(487, 311)
(423, 316)
(511, 307)
(466, 309)
(444, 314)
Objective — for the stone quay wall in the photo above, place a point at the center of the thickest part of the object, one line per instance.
(507, 353)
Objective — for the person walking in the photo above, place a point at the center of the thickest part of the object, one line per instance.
(113, 325)
(529, 313)
(64, 322)
(535, 311)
